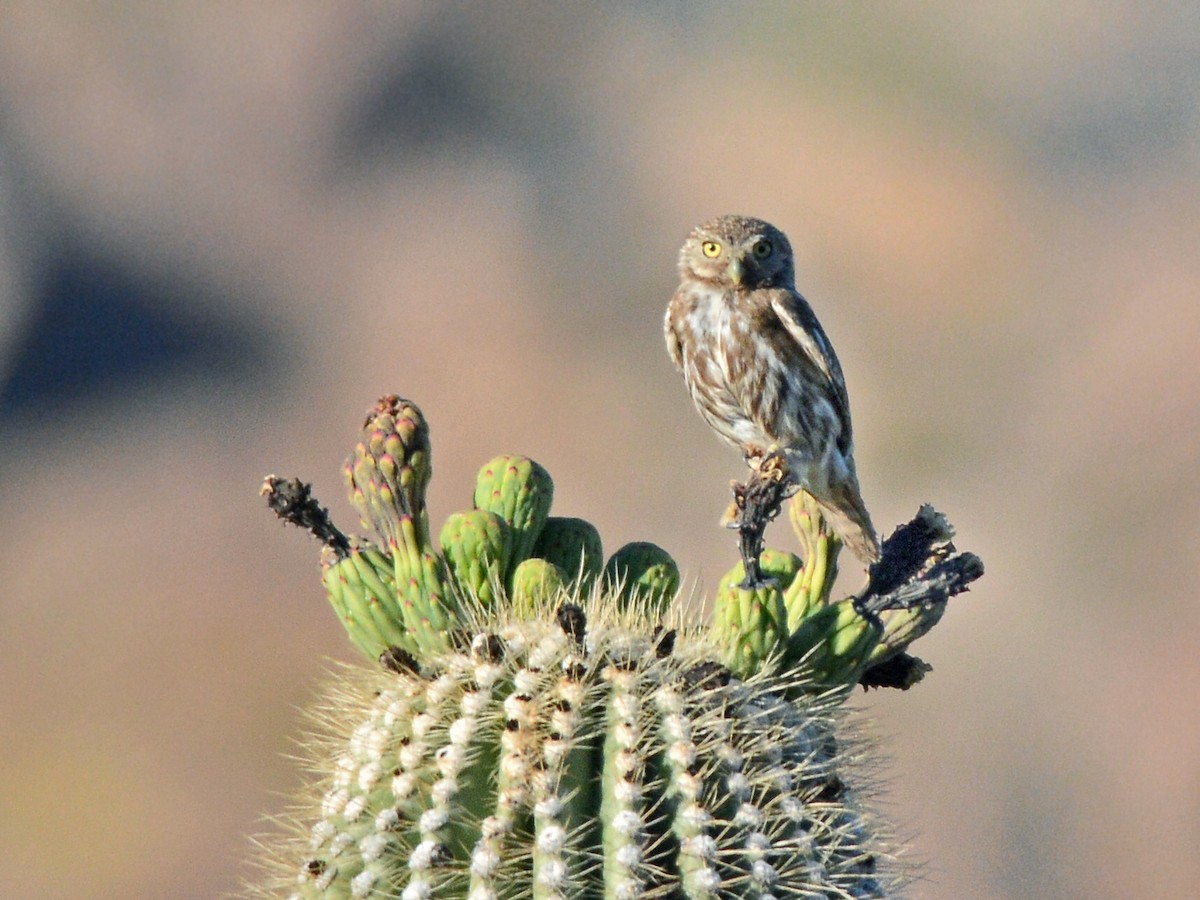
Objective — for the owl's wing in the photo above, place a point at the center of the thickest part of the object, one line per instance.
(801, 323)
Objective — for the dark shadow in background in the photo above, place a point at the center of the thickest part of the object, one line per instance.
(428, 98)
(460, 94)
(451, 93)
(457, 85)
(101, 327)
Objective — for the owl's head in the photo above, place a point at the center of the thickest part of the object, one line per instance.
(738, 252)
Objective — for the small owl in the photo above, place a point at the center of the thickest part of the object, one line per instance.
(760, 368)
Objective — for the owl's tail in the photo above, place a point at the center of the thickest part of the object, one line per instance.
(847, 515)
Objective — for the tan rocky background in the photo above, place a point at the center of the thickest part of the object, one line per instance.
(226, 228)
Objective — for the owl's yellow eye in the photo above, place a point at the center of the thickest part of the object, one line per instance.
(711, 249)
(762, 249)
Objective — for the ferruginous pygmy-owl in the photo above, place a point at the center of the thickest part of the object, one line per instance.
(760, 368)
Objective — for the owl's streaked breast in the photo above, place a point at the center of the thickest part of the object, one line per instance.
(711, 335)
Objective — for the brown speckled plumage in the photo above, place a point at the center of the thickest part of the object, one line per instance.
(759, 366)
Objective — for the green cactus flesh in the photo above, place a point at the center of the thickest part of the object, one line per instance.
(571, 756)
(903, 626)
(641, 572)
(361, 587)
(533, 581)
(519, 491)
(751, 623)
(574, 546)
(477, 547)
(833, 645)
(819, 546)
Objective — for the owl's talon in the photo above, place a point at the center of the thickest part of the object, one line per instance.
(774, 467)
(753, 457)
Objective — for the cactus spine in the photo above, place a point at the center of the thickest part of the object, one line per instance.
(540, 727)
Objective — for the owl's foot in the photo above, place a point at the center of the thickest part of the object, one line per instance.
(753, 456)
(774, 467)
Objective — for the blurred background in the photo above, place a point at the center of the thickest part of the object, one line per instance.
(225, 229)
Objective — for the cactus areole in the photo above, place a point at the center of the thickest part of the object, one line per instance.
(538, 722)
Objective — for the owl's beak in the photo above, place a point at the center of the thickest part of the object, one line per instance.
(736, 271)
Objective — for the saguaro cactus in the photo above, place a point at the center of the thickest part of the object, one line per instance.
(534, 725)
